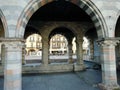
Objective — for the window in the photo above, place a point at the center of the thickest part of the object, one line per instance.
(31, 45)
(38, 45)
(39, 39)
(31, 39)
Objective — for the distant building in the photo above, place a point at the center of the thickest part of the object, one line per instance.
(34, 45)
(58, 45)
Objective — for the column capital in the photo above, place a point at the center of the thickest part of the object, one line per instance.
(108, 41)
(11, 39)
(79, 40)
(13, 42)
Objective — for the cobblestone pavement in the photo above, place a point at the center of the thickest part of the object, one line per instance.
(85, 80)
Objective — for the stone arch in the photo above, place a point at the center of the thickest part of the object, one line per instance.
(53, 25)
(74, 28)
(65, 31)
(58, 34)
(3, 20)
(58, 51)
(87, 5)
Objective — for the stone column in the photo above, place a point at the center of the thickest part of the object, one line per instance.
(91, 49)
(96, 52)
(70, 52)
(13, 64)
(23, 54)
(3, 56)
(50, 49)
(108, 62)
(45, 54)
(79, 64)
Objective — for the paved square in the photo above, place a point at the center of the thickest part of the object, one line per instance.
(85, 80)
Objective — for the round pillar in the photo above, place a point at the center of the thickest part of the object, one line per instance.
(108, 63)
(70, 52)
(79, 63)
(45, 49)
(12, 64)
(3, 56)
(23, 54)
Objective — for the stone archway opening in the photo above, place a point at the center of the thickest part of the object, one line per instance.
(61, 43)
(54, 15)
(33, 49)
(32, 52)
(58, 48)
(55, 12)
(94, 49)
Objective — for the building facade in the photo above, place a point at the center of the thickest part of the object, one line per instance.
(58, 45)
(33, 44)
(98, 20)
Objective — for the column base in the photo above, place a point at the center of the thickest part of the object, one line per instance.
(109, 87)
(79, 67)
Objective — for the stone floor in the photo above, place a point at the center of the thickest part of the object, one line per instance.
(85, 80)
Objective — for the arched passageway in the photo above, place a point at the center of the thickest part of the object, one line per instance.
(33, 49)
(58, 48)
(70, 21)
(64, 38)
(81, 16)
(85, 18)
(94, 48)
(61, 17)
